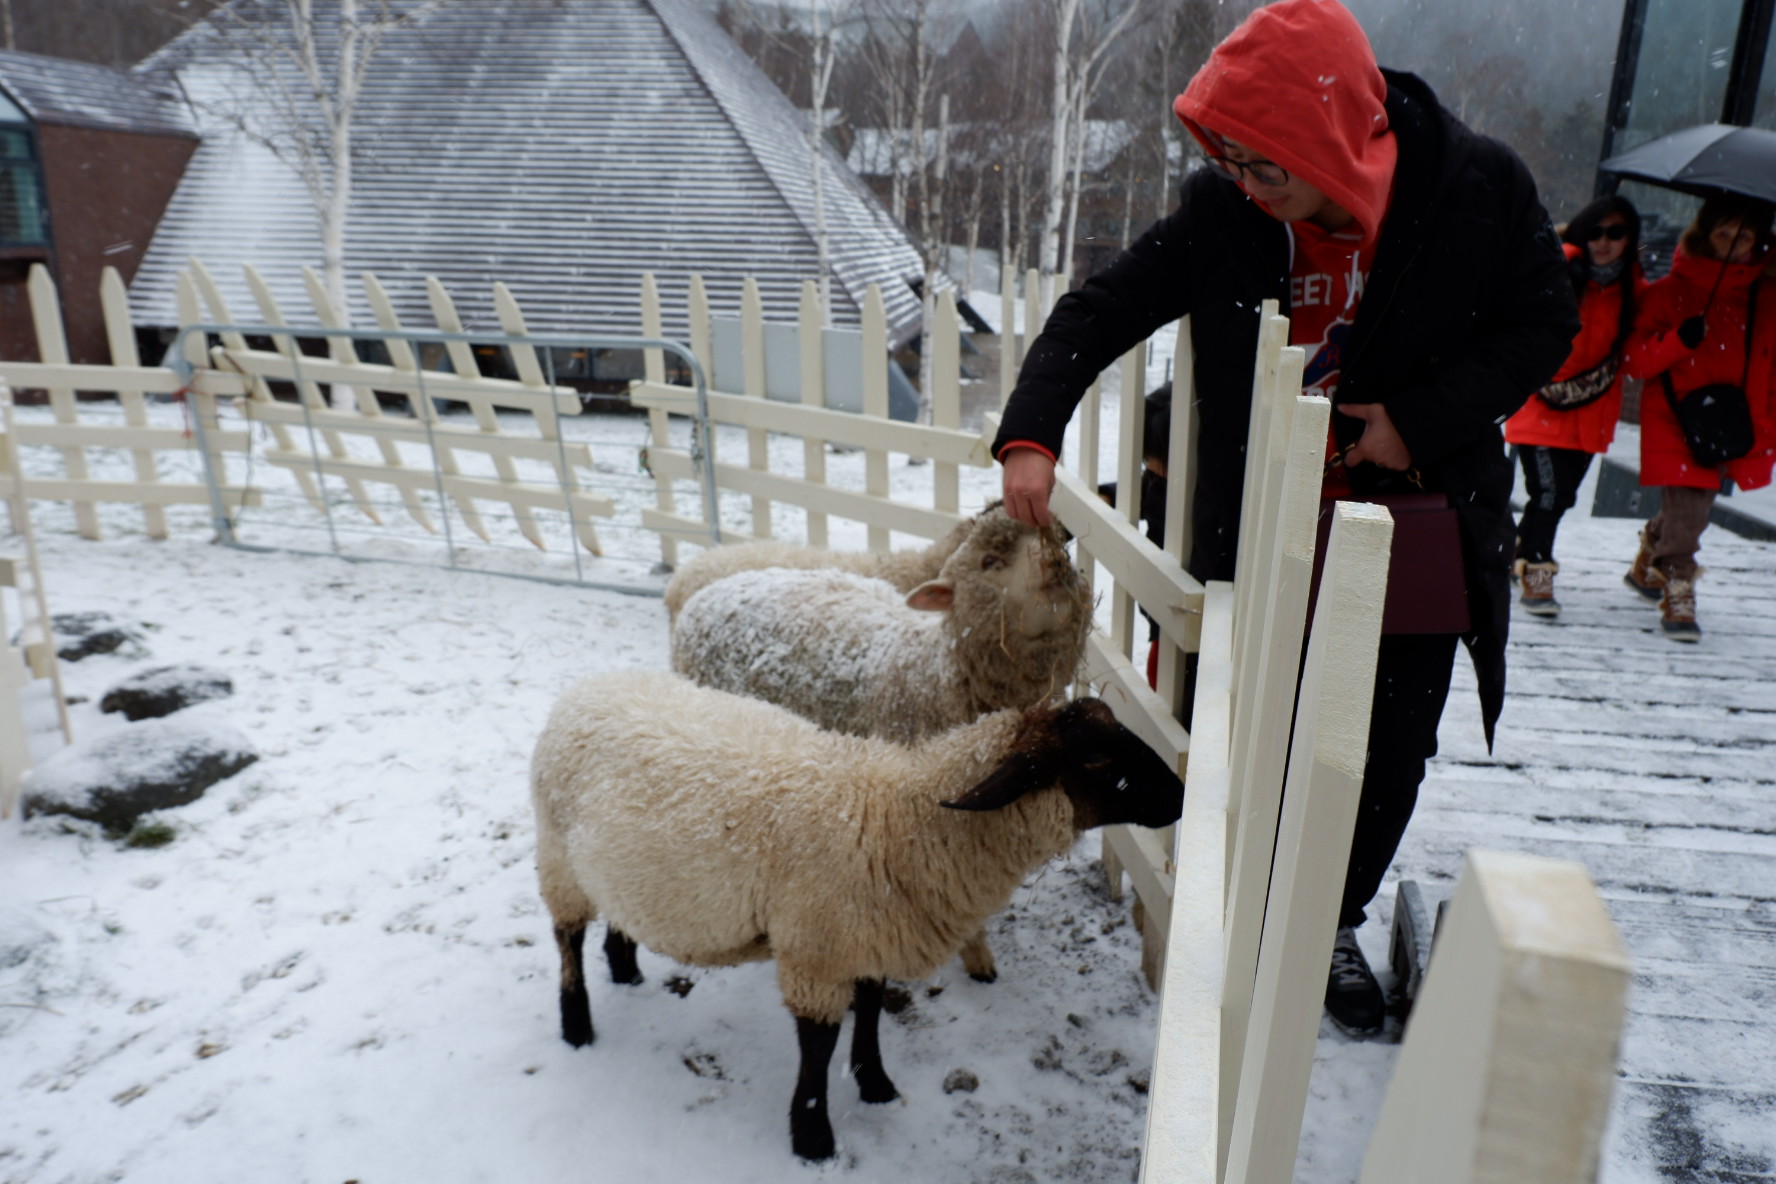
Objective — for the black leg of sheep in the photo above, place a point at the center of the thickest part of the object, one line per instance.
(810, 1132)
(576, 1008)
(866, 1047)
(619, 951)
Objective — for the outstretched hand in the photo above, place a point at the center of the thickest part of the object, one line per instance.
(1029, 479)
(1380, 443)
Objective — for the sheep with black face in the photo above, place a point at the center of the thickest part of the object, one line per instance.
(717, 829)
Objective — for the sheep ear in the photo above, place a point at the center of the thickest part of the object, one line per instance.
(933, 596)
(1019, 774)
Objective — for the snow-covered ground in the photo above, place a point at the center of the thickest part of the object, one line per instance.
(339, 968)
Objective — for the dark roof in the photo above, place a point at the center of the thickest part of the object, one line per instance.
(80, 94)
(582, 145)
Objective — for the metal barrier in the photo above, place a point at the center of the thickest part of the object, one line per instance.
(422, 389)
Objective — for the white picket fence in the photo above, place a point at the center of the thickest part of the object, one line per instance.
(1239, 900)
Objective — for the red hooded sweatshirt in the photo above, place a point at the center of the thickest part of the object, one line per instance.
(1297, 84)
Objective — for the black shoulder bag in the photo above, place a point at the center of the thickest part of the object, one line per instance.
(1716, 419)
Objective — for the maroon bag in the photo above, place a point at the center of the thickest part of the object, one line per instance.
(1427, 588)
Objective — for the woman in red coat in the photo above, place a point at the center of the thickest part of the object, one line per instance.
(1573, 418)
(1712, 320)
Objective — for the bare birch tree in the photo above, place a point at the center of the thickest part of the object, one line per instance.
(306, 62)
(1083, 33)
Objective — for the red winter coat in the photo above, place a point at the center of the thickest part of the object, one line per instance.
(1589, 428)
(1655, 349)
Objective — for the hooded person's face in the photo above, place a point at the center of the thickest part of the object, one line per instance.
(1293, 201)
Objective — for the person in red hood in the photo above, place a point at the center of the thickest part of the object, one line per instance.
(1696, 327)
(1573, 418)
(1424, 280)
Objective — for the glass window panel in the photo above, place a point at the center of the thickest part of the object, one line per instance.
(1686, 54)
(10, 111)
(1764, 114)
(21, 210)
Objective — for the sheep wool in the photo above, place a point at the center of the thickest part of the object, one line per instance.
(848, 652)
(712, 829)
(905, 570)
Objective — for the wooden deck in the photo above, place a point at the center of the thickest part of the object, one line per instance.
(1654, 765)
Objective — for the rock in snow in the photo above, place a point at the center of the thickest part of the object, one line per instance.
(80, 635)
(149, 766)
(166, 689)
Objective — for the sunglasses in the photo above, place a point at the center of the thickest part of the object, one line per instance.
(1615, 233)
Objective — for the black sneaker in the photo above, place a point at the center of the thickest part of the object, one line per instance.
(1353, 997)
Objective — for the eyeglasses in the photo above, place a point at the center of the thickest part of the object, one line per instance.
(1615, 232)
(1264, 172)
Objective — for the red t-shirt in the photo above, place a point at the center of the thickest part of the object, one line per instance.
(1326, 278)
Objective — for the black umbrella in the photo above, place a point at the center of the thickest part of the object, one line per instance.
(1704, 160)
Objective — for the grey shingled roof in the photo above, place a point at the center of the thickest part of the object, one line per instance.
(80, 94)
(564, 148)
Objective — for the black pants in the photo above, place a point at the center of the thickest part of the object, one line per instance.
(1552, 476)
(1412, 672)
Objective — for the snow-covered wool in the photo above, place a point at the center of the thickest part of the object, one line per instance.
(717, 829)
(906, 570)
(1003, 624)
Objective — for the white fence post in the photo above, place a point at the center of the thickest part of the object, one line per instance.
(875, 402)
(1325, 778)
(52, 348)
(811, 338)
(1510, 1056)
(752, 365)
(1184, 1138)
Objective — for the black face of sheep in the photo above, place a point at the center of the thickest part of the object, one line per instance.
(1108, 772)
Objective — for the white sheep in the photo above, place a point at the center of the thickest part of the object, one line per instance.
(906, 570)
(1002, 624)
(717, 829)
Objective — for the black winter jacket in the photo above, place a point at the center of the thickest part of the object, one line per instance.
(1467, 310)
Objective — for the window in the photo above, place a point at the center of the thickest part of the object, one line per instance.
(23, 220)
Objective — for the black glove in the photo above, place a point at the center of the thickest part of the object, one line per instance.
(1692, 331)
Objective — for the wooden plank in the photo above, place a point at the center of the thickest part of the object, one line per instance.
(434, 383)
(1259, 761)
(879, 513)
(127, 438)
(843, 427)
(810, 330)
(67, 489)
(547, 497)
(413, 432)
(691, 528)
(1120, 684)
(148, 380)
(1183, 1141)
(1326, 760)
(1163, 588)
(52, 347)
(425, 411)
(752, 366)
(1510, 1059)
(946, 396)
(307, 390)
(875, 404)
(1149, 869)
(120, 336)
(653, 362)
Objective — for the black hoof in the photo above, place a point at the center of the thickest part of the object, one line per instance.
(873, 1086)
(991, 976)
(811, 1137)
(576, 1017)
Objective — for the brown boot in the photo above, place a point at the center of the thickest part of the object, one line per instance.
(1643, 576)
(1538, 589)
(1677, 608)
